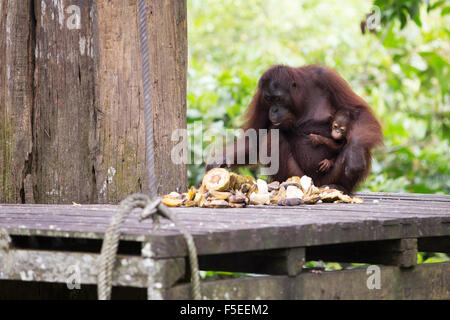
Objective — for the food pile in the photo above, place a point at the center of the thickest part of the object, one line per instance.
(221, 188)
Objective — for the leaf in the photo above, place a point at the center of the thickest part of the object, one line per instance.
(436, 5)
(403, 18)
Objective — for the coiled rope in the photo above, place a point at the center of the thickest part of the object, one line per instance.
(151, 206)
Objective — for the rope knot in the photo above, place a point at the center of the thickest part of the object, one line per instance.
(151, 210)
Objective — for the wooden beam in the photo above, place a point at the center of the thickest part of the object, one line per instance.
(60, 267)
(277, 261)
(161, 273)
(401, 252)
(426, 281)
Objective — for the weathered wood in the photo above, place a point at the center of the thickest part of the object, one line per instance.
(21, 290)
(61, 267)
(161, 274)
(257, 288)
(401, 252)
(404, 196)
(218, 231)
(120, 164)
(277, 261)
(71, 120)
(168, 63)
(65, 102)
(426, 281)
(258, 240)
(17, 43)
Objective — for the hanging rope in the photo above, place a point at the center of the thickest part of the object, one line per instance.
(151, 206)
(148, 118)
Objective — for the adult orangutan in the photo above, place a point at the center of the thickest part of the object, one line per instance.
(303, 101)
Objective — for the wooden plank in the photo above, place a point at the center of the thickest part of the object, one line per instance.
(170, 243)
(226, 230)
(401, 252)
(391, 207)
(427, 281)
(278, 261)
(404, 196)
(258, 288)
(61, 267)
(356, 212)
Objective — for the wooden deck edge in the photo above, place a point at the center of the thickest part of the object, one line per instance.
(425, 281)
(75, 268)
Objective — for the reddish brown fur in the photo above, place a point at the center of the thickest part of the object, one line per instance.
(319, 93)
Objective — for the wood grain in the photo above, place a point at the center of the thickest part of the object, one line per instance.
(71, 119)
(218, 231)
(17, 50)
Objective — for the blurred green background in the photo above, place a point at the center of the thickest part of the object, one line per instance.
(402, 71)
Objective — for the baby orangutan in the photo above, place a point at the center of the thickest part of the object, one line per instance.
(339, 128)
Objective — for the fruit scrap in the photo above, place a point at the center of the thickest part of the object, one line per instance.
(223, 189)
(220, 194)
(218, 203)
(294, 192)
(220, 179)
(312, 199)
(273, 186)
(217, 179)
(357, 200)
(259, 198)
(173, 199)
(261, 194)
(262, 186)
(238, 197)
(191, 194)
(290, 202)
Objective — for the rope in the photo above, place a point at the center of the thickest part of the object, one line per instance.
(151, 208)
(164, 211)
(111, 243)
(148, 119)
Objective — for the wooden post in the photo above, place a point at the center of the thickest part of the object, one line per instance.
(17, 43)
(71, 114)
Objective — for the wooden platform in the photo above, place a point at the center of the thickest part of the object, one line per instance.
(387, 230)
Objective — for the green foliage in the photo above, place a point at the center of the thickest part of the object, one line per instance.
(405, 10)
(434, 257)
(403, 72)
